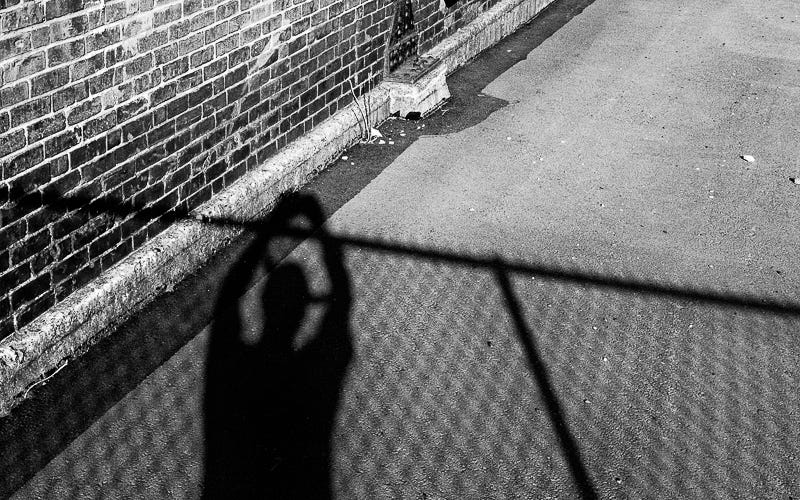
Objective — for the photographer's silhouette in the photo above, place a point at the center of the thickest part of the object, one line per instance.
(270, 407)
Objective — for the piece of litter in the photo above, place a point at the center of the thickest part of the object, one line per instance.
(381, 142)
(471, 209)
(796, 180)
(508, 138)
(748, 158)
(375, 133)
(345, 157)
(391, 142)
(509, 50)
(402, 134)
(351, 163)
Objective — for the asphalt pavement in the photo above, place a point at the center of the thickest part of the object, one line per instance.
(565, 283)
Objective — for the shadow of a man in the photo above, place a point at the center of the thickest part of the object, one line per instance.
(270, 407)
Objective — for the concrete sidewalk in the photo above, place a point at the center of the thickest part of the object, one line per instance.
(567, 284)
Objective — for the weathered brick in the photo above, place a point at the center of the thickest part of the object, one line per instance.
(29, 111)
(30, 290)
(5, 121)
(95, 18)
(46, 127)
(118, 54)
(100, 124)
(103, 39)
(24, 67)
(86, 67)
(201, 21)
(168, 15)
(216, 32)
(85, 110)
(27, 14)
(146, 82)
(191, 6)
(61, 142)
(190, 44)
(15, 276)
(251, 34)
(215, 68)
(203, 127)
(200, 95)
(101, 82)
(115, 11)
(161, 94)
(68, 28)
(49, 81)
(137, 127)
(58, 8)
(201, 57)
(190, 81)
(66, 52)
(152, 41)
(240, 21)
(12, 46)
(70, 95)
(179, 30)
(39, 37)
(87, 152)
(139, 65)
(161, 133)
(134, 27)
(59, 167)
(29, 182)
(14, 94)
(114, 138)
(189, 117)
(131, 109)
(66, 267)
(228, 44)
(239, 56)
(25, 315)
(11, 143)
(166, 54)
(227, 9)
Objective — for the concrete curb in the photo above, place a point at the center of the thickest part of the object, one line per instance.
(486, 30)
(70, 327)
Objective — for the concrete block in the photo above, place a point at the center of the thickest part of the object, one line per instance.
(421, 96)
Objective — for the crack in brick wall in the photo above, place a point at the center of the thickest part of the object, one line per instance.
(161, 103)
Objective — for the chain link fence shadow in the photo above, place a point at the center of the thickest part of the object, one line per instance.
(346, 366)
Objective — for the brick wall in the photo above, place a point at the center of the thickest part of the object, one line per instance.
(160, 103)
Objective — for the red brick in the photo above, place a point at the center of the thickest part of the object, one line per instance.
(58, 8)
(47, 82)
(66, 52)
(46, 127)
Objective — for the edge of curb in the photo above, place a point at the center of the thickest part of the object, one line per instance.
(70, 327)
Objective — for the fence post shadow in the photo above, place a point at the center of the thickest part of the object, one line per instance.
(270, 408)
(569, 447)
